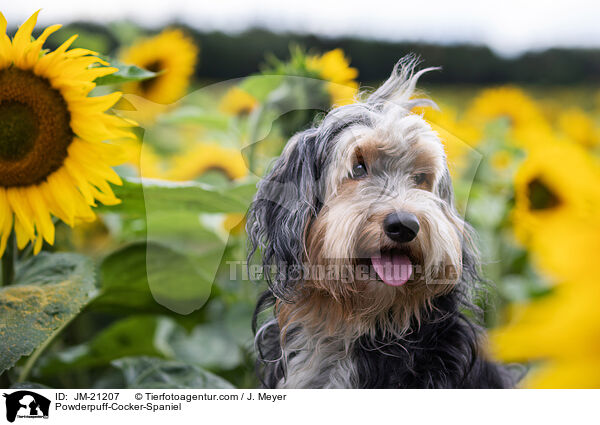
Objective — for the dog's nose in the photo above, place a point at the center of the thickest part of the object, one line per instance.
(401, 226)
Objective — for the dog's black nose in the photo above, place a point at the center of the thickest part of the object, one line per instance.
(401, 226)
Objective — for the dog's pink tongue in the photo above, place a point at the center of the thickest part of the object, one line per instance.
(393, 268)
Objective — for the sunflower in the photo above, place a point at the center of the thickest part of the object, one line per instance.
(556, 199)
(205, 157)
(560, 333)
(556, 180)
(172, 55)
(526, 120)
(53, 155)
(556, 204)
(334, 67)
(238, 102)
(507, 101)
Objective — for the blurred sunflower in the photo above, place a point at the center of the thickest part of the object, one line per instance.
(576, 125)
(526, 119)
(172, 55)
(556, 204)
(205, 157)
(53, 155)
(560, 333)
(334, 67)
(238, 102)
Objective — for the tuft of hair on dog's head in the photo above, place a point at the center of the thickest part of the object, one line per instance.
(312, 209)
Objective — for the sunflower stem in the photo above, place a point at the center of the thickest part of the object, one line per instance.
(8, 260)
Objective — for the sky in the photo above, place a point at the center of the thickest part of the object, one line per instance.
(509, 27)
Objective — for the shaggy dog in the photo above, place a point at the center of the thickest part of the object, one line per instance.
(369, 265)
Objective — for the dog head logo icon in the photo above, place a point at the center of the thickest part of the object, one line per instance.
(26, 404)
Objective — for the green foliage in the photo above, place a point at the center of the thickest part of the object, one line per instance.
(126, 73)
(210, 345)
(50, 291)
(148, 372)
(261, 87)
(132, 336)
(143, 274)
(164, 196)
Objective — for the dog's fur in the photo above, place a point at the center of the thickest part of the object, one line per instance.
(310, 211)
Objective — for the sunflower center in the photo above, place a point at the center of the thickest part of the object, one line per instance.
(17, 134)
(35, 129)
(541, 196)
(148, 85)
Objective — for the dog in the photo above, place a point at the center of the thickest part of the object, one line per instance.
(370, 267)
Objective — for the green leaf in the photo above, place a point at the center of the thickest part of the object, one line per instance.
(133, 336)
(210, 346)
(143, 275)
(261, 86)
(158, 195)
(50, 290)
(124, 282)
(486, 210)
(149, 372)
(125, 74)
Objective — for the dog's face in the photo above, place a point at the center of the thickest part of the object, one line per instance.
(386, 217)
(363, 203)
(383, 205)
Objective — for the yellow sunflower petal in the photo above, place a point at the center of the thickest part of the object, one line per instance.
(20, 205)
(42, 217)
(22, 39)
(5, 45)
(34, 51)
(37, 246)
(22, 236)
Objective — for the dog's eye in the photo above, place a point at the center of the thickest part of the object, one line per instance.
(359, 170)
(420, 178)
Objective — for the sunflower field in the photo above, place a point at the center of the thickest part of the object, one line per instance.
(124, 183)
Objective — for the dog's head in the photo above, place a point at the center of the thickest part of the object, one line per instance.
(360, 208)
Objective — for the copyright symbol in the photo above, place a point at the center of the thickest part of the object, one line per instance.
(138, 396)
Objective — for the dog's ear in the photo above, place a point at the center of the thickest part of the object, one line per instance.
(287, 201)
